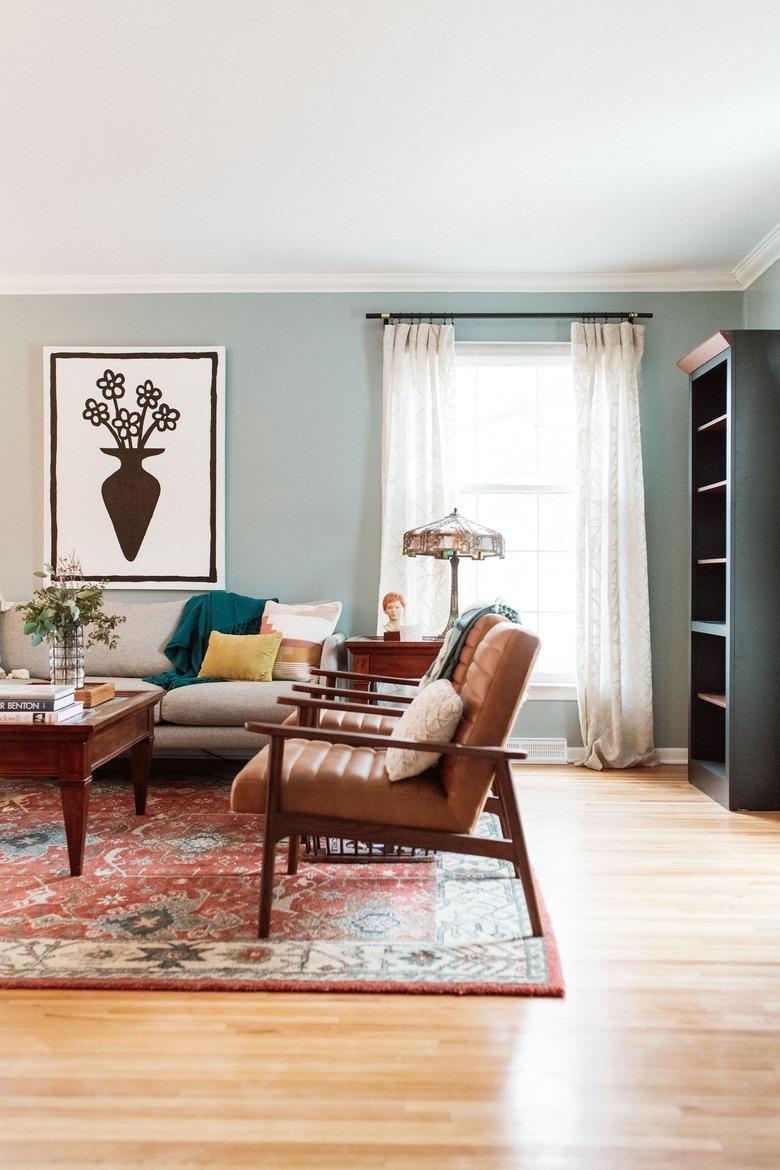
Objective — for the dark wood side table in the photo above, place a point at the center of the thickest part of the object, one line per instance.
(68, 753)
(391, 657)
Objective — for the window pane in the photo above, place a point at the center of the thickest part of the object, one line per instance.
(466, 454)
(556, 396)
(506, 402)
(556, 581)
(468, 590)
(556, 454)
(507, 451)
(507, 391)
(466, 394)
(530, 619)
(556, 520)
(513, 579)
(557, 653)
(513, 515)
(467, 505)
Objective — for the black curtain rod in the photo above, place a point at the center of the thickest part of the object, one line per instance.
(628, 315)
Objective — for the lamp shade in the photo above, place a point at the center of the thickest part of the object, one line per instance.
(452, 536)
(450, 539)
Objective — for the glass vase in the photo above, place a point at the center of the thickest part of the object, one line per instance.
(66, 657)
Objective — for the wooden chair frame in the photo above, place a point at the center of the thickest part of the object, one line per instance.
(368, 678)
(369, 697)
(279, 825)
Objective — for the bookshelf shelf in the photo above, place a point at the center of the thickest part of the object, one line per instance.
(716, 700)
(716, 629)
(720, 486)
(715, 424)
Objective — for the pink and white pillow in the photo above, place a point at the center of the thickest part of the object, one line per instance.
(304, 628)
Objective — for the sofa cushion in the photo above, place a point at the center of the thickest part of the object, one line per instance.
(16, 649)
(142, 639)
(225, 704)
(127, 684)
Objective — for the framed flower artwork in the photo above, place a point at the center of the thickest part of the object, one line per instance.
(134, 470)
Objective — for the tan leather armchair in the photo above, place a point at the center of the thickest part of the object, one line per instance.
(331, 782)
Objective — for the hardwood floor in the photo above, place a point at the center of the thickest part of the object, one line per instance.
(664, 1055)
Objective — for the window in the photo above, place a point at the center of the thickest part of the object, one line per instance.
(515, 442)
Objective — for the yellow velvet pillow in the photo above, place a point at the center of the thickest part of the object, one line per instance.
(245, 657)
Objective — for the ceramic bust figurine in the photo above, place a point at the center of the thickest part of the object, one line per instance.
(394, 605)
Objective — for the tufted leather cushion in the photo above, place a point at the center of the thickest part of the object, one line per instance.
(351, 721)
(337, 781)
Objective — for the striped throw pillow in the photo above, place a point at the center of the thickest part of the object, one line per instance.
(303, 628)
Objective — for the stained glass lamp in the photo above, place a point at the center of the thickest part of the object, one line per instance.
(449, 540)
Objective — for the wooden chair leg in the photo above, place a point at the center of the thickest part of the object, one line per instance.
(275, 758)
(496, 805)
(292, 854)
(522, 863)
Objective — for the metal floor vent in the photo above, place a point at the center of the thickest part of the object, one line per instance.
(540, 751)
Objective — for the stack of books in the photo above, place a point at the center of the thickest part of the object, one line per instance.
(34, 703)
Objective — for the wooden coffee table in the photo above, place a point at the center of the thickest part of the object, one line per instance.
(68, 753)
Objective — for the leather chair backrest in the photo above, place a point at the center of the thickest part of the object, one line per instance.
(491, 676)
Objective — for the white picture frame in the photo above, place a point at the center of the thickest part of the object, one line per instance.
(136, 527)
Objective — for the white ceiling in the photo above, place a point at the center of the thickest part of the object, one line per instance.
(197, 137)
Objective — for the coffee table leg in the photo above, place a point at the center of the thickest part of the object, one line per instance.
(75, 808)
(141, 759)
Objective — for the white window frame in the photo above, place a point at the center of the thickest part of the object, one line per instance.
(476, 353)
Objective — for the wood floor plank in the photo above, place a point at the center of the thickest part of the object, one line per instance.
(664, 1054)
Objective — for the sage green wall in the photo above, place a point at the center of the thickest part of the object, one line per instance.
(762, 300)
(303, 439)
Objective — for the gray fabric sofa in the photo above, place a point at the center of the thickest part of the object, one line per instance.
(209, 717)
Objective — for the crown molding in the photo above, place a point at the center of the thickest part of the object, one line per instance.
(385, 282)
(763, 256)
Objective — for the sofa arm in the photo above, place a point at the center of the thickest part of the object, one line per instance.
(334, 652)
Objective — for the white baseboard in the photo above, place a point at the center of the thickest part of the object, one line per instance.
(668, 755)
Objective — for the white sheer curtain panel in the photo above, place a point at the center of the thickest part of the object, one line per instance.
(418, 464)
(614, 681)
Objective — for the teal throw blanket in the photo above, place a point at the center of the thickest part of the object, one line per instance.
(443, 666)
(228, 613)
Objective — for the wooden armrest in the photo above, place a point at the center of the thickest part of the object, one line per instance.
(382, 678)
(360, 739)
(328, 705)
(340, 692)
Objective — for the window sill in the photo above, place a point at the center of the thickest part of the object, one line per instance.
(549, 691)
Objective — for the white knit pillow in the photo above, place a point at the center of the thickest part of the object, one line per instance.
(433, 717)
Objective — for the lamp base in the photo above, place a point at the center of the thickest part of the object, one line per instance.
(454, 611)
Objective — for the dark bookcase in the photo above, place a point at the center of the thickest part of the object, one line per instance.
(734, 726)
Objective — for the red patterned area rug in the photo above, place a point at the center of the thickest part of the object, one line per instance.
(170, 900)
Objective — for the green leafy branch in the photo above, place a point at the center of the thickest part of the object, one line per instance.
(67, 603)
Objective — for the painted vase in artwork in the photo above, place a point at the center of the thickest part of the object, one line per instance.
(130, 493)
(131, 496)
